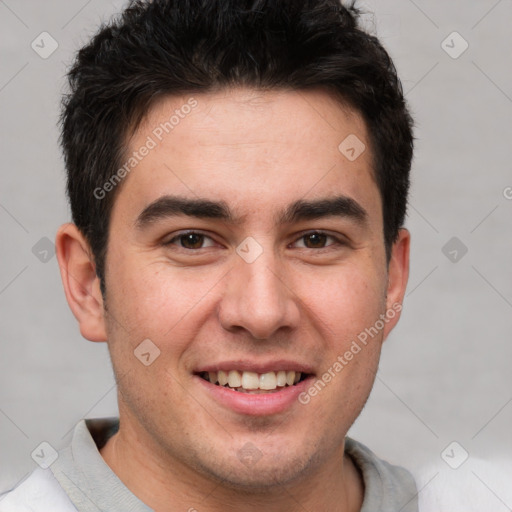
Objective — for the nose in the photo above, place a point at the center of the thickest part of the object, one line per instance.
(258, 299)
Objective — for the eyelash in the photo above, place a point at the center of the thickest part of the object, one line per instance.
(338, 241)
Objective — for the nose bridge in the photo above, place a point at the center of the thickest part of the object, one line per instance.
(262, 281)
(256, 298)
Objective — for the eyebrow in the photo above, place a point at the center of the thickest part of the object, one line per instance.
(171, 206)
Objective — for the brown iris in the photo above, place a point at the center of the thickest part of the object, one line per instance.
(192, 240)
(317, 239)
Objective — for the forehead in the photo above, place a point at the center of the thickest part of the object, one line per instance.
(255, 150)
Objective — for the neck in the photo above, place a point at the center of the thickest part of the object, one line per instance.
(159, 480)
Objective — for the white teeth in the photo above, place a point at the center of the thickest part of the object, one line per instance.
(223, 378)
(234, 379)
(251, 381)
(281, 378)
(268, 380)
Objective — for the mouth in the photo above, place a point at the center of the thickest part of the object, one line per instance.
(254, 383)
(252, 388)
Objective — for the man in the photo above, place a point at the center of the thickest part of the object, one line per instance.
(238, 175)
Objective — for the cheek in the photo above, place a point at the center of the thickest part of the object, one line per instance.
(355, 301)
(346, 301)
(154, 297)
(155, 301)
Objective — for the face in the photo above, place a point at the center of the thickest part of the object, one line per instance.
(245, 245)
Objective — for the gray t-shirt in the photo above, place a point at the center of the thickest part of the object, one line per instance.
(80, 480)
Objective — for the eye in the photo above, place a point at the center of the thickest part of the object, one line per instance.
(191, 240)
(194, 240)
(317, 240)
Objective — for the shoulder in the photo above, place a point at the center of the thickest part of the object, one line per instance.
(387, 487)
(39, 492)
(476, 484)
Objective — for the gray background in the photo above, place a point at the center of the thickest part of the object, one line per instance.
(445, 374)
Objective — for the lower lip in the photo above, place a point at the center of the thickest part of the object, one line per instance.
(256, 404)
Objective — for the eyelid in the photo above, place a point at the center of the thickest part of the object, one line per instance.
(339, 240)
(179, 234)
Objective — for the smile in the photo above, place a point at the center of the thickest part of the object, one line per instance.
(252, 382)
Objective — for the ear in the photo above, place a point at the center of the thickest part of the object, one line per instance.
(398, 275)
(81, 284)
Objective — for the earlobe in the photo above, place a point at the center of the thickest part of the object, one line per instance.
(398, 275)
(81, 284)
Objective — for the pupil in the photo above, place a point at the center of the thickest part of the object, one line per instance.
(192, 239)
(317, 239)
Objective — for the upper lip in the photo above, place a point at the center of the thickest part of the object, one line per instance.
(257, 367)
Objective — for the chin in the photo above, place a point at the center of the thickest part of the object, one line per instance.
(255, 472)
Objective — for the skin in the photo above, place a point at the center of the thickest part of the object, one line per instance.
(300, 300)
